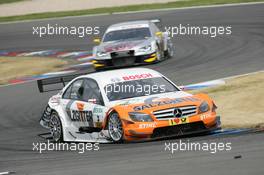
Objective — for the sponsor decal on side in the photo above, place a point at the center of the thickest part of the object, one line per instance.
(80, 106)
(98, 112)
(82, 115)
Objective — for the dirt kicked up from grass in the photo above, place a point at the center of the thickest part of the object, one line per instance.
(240, 101)
(17, 67)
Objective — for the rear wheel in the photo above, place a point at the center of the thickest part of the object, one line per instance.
(115, 128)
(169, 52)
(56, 127)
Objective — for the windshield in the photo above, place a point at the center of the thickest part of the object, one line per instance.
(136, 33)
(138, 88)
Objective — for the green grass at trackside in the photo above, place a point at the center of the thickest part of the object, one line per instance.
(186, 3)
(8, 1)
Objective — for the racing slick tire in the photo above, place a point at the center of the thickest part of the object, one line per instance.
(56, 127)
(169, 52)
(115, 128)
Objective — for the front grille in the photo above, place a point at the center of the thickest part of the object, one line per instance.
(167, 114)
(129, 53)
(178, 130)
(123, 58)
(125, 61)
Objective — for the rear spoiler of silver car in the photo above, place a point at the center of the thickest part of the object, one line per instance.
(55, 83)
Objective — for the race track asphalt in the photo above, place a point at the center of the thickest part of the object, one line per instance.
(197, 58)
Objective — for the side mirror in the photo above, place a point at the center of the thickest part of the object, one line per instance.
(97, 40)
(159, 34)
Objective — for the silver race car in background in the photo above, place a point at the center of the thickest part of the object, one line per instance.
(132, 43)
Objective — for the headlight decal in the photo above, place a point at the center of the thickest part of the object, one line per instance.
(140, 117)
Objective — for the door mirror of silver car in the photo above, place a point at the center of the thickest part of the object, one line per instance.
(159, 34)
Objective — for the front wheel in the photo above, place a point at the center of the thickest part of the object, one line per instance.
(56, 127)
(115, 128)
(158, 54)
(169, 52)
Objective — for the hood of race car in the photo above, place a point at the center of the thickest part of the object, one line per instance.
(123, 45)
(157, 102)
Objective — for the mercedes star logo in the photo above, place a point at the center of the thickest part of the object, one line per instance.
(177, 113)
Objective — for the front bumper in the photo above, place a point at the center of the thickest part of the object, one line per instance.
(165, 129)
(125, 61)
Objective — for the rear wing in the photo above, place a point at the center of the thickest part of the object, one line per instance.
(55, 83)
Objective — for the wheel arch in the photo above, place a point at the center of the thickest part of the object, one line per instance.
(108, 113)
(121, 113)
(61, 115)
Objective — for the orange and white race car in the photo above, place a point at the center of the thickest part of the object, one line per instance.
(125, 105)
